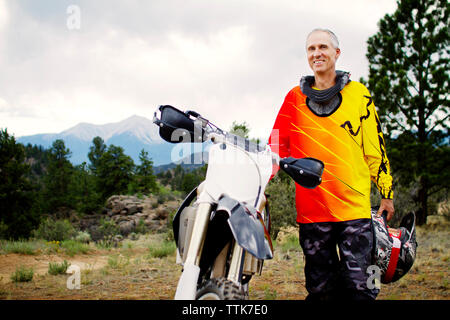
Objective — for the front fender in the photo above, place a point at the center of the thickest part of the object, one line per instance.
(247, 227)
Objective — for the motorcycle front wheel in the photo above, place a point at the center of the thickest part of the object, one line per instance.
(220, 289)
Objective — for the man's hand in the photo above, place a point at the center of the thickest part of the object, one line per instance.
(388, 205)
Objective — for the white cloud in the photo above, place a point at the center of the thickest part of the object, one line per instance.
(232, 60)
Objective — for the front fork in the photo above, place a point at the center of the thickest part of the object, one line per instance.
(187, 285)
(236, 263)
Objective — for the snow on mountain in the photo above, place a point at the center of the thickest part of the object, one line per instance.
(132, 134)
(139, 127)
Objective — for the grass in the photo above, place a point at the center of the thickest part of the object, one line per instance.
(163, 249)
(118, 262)
(22, 274)
(290, 243)
(146, 269)
(20, 247)
(34, 247)
(72, 247)
(270, 293)
(55, 268)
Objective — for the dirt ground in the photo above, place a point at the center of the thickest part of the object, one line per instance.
(131, 273)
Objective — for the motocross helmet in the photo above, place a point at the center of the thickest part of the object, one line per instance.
(394, 249)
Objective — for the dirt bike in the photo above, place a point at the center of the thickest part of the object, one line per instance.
(222, 227)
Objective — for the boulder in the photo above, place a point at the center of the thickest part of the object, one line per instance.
(128, 211)
(111, 200)
(162, 213)
(126, 227)
(117, 208)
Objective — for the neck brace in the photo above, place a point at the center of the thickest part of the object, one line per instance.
(321, 97)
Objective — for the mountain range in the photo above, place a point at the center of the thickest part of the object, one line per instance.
(132, 134)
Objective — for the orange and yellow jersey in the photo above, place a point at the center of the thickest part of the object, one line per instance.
(350, 143)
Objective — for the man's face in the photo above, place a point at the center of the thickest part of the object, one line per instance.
(321, 54)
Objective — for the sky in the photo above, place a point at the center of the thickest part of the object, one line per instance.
(63, 62)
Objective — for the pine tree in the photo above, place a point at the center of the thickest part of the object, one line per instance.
(16, 193)
(177, 177)
(190, 181)
(145, 180)
(58, 178)
(240, 129)
(95, 153)
(409, 80)
(83, 187)
(114, 172)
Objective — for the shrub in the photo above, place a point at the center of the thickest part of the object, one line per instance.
(107, 229)
(21, 247)
(83, 237)
(22, 274)
(53, 247)
(72, 247)
(281, 190)
(169, 226)
(141, 227)
(109, 242)
(170, 236)
(162, 198)
(55, 268)
(106, 243)
(133, 236)
(162, 250)
(54, 230)
(118, 262)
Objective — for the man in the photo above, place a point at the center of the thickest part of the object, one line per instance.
(333, 119)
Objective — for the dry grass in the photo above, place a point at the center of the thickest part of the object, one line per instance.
(134, 271)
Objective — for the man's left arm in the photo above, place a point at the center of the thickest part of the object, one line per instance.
(376, 157)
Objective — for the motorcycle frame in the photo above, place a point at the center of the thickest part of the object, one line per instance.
(242, 174)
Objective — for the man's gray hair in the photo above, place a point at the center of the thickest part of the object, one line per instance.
(334, 39)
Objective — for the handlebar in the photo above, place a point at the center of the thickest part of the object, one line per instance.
(306, 171)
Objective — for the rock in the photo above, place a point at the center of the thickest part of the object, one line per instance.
(88, 222)
(111, 200)
(134, 208)
(127, 212)
(125, 205)
(117, 208)
(119, 218)
(157, 225)
(162, 213)
(126, 227)
(149, 222)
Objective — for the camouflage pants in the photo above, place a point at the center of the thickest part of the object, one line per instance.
(329, 275)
